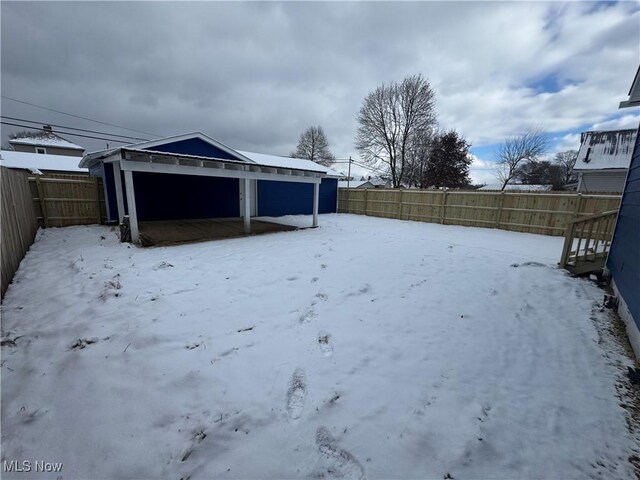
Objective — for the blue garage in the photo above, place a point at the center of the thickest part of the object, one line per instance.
(193, 176)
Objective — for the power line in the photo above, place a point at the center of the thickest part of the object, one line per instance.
(79, 116)
(74, 128)
(29, 127)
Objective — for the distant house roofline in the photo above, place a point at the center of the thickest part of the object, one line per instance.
(46, 138)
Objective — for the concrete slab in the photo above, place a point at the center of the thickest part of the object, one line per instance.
(198, 230)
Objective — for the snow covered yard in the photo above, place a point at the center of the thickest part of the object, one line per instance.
(365, 348)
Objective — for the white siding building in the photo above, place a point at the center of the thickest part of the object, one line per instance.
(603, 160)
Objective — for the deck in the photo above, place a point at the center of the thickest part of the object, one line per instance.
(174, 232)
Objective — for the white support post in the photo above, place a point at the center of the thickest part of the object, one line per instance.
(117, 178)
(247, 205)
(131, 203)
(316, 201)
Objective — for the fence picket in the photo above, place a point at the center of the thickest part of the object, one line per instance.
(539, 212)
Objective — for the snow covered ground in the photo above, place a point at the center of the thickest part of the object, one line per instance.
(364, 348)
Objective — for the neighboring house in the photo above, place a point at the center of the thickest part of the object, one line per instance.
(623, 263)
(47, 143)
(380, 182)
(603, 160)
(194, 176)
(355, 184)
(38, 163)
(517, 187)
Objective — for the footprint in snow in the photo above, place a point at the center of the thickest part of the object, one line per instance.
(326, 345)
(83, 343)
(296, 394)
(336, 462)
(528, 264)
(198, 436)
(307, 315)
(111, 288)
(366, 288)
(162, 266)
(322, 296)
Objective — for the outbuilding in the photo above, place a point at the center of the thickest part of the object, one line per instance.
(603, 160)
(194, 176)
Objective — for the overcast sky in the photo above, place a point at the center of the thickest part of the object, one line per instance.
(255, 75)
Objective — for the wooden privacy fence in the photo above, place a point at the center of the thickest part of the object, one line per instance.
(530, 212)
(18, 223)
(61, 200)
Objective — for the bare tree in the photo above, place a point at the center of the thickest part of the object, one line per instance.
(389, 118)
(418, 155)
(527, 147)
(566, 161)
(313, 145)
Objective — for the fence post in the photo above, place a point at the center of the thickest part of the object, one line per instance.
(399, 215)
(366, 191)
(576, 215)
(568, 243)
(443, 207)
(500, 207)
(98, 212)
(43, 204)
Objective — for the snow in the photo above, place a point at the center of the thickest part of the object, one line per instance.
(46, 140)
(517, 187)
(288, 162)
(364, 348)
(37, 161)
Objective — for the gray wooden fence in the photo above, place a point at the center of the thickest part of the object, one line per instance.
(61, 200)
(18, 224)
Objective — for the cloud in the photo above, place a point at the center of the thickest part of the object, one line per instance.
(255, 75)
(619, 123)
(482, 171)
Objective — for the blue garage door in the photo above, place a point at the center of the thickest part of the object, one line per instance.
(288, 198)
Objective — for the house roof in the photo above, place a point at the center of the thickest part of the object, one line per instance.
(46, 139)
(353, 183)
(288, 162)
(606, 150)
(148, 145)
(35, 162)
(242, 156)
(634, 93)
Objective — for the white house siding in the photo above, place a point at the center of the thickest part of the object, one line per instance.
(602, 181)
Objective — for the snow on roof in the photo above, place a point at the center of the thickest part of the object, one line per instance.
(38, 161)
(46, 139)
(288, 162)
(604, 150)
(353, 183)
(516, 187)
